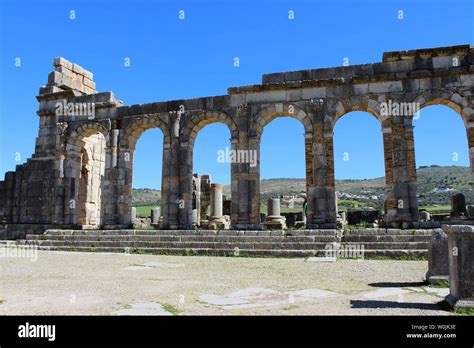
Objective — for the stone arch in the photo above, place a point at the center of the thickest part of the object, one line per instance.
(460, 104)
(345, 106)
(269, 113)
(134, 129)
(198, 121)
(75, 139)
(84, 171)
(452, 99)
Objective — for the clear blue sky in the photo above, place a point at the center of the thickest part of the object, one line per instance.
(173, 59)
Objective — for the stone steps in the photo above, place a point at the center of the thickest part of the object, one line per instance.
(294, 243)
(386, 238)
(267, 245)
(389, 253)
(186, 238)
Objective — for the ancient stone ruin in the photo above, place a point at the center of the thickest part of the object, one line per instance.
(80, 175)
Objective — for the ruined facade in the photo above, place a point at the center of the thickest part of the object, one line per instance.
(81, 171)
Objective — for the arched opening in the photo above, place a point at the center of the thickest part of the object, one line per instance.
(282, 172)
(359, 169)
(442, 161)
(92, 169)
(147, 157)
(212, 159)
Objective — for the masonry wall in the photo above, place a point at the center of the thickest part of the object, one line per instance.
(48, 188)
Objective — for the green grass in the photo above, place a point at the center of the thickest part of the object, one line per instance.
(170, 308)
(436, 207)
(463, 311)
(350, 203)
(145, 210)
(441, 284)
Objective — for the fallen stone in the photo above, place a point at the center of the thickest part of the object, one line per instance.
(147, 308)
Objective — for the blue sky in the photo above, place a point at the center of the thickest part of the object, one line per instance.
(173, 59)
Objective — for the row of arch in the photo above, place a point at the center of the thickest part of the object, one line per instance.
(77, 141)
(337, 109)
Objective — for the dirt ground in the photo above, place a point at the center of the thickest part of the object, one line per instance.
(51, 282)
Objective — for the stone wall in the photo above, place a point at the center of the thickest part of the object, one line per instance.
(47, 189)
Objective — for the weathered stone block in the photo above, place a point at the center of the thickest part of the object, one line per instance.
(438, 264)
(461, 266)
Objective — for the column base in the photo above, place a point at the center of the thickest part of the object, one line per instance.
(246, 227)
(456, 303)
(218, 223)
(275, 222)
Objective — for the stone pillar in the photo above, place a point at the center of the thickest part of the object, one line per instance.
(133, 215)
(245, 185)
(195, 217)
(216, 220)
(401, 204)
(321, 195)
(470, 142)
(438, 265)
(274, 220)
(155, 216)
(461, 266)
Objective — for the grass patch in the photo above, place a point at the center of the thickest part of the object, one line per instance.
(461, 311)
(464, 311)
(145, 210)
(441, 284)
(124, 305)
(170, 308)
(290, 307)
(436, 207)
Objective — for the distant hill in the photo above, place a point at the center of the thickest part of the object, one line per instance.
(436, 185)
(145, 196)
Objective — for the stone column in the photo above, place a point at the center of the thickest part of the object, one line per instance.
(155, 216)
(461, 266)
(274, 220)
(216, 220)
(321, 196)
(245, 186)
(438, 266)
(133, 215)
(470, 142)
(401, 205)
(195, 218)
(412, 179)
(184, 202)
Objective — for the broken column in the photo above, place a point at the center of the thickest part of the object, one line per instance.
(458, 206)
(216, 220)
(274, 220)
(461, 266)
(195, 217)
(438, 265)
(155, 217)
(133, 217)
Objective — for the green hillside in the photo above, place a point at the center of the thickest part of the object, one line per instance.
(435, 187)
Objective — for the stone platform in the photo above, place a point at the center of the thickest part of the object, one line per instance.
(392, 243)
